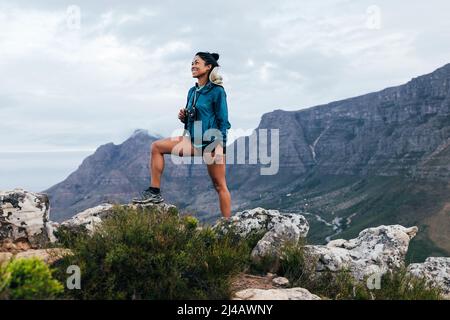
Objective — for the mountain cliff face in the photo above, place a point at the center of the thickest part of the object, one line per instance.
(382, 157)
(402, 130)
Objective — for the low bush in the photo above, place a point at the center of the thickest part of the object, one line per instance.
(28, 279)
(147, 254)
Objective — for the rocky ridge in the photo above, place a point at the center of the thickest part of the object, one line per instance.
(25, 231)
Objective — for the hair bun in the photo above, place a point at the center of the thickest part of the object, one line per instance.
(215, 56)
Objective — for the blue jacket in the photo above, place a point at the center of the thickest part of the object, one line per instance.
(212, 110)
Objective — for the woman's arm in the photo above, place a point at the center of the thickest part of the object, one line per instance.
(221, 111)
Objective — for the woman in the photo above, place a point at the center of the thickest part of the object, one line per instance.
(206, 109)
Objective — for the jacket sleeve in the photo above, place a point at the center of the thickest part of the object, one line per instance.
(221, 111)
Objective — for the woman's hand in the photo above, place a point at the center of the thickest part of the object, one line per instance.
(182, 115)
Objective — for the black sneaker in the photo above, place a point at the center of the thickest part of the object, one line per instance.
(148, 196)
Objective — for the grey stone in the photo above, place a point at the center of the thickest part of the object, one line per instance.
(374, 251)
(436, 270)
(24, 217)
(275, 294)
(277, 229)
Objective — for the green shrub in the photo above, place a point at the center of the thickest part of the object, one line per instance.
(67, 235)
(28, 279)
(146, 254)
(293, 262)
(400, 285)
(272, 262)
(190, 222)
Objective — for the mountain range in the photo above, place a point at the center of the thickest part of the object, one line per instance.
(379, 158)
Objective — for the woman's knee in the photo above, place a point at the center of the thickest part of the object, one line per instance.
(168, 145)
(155, 147)
(219, 185)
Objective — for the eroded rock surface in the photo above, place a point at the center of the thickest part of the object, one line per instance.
(375, 250)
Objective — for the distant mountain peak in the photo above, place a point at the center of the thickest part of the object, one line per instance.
(138, 132)
(145, 133)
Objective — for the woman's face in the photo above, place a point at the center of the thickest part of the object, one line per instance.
(198, 67)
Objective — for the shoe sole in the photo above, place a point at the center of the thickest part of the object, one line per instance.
(147, 201)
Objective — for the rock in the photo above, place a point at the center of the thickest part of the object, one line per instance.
(435, 270)
(8, 245)
(5, 257)
(91, 217)
(260, 219)
(274, 239)
(275, 294)
(163, 207)
(375, 250)
(280, 281)
(278, 228)
(24, 218)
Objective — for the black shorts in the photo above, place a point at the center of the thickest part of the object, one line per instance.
(207, 143)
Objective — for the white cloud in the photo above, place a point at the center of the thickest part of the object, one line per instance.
(128, 64)
(264, 71)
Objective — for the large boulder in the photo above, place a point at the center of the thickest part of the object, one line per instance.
(260, 219)
(24, 219)
(435, 270)
(92, 217)
(277, 229)
(374, 251)
(275, 294)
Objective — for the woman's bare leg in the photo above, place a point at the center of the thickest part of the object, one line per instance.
(217, 173)
(180, 146)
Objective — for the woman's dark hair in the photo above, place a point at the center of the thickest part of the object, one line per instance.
(209, 58)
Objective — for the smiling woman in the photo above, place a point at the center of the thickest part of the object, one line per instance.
(206, 111)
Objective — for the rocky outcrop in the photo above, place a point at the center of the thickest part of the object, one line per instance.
(92, 217)
(89, 218)
(275, 294)
(374, 251)
(278, 229)
(25, 223)
(26, 231)
(263, 220)
(25, 228)
(435, 270)
(24, 220)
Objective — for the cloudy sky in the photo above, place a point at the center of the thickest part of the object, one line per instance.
(75, 75)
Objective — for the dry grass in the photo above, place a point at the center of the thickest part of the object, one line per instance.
(244, 281)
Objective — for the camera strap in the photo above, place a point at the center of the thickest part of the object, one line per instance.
(192, 107)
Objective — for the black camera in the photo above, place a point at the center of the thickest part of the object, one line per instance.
(191, 113)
